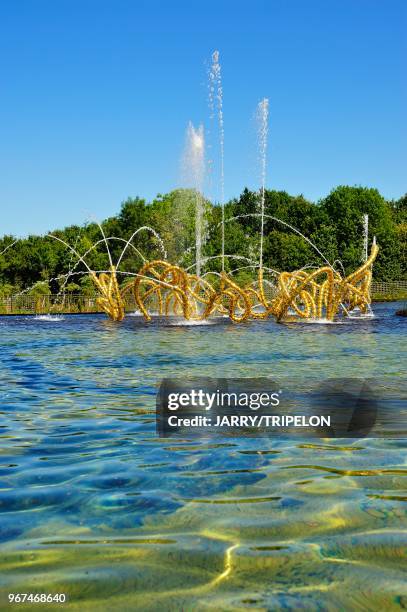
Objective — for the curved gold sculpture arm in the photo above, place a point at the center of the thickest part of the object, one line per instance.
(355, 288)
(167, 289)
(110, 298)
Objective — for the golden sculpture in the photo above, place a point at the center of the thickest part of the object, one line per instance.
(230, 299)
(167, 289)
(110, 299)
(160, 285)
(323, 291)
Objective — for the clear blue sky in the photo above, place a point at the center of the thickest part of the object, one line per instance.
(95, 97)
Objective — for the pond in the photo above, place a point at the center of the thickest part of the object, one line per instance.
(94, 505)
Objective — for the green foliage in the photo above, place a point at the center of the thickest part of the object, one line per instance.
(334, 225)
(399, 209)
(345, 207)
(72, 288)
(6, 289)
(287, 251)
(40, 288)
(87, 287)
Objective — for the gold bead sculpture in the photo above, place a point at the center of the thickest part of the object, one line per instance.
(323, 291)
(110, 298)
(165, 289)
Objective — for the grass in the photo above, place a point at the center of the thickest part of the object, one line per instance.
(391, 296)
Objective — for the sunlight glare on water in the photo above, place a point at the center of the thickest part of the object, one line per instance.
(94, 504)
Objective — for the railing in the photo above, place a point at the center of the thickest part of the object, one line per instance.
(43, 304)
(379, 287)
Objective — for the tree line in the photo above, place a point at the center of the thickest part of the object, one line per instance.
(334, 225)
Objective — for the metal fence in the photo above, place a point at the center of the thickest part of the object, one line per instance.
(43, 304)
(379, 287)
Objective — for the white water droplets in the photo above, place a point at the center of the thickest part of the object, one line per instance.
(262, 116)
(194, 176)
(216, 110)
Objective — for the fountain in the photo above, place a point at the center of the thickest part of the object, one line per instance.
(110, 298)
(166, 289)
(216, 106)
(262, 118)
(194, 174)
(163, 288)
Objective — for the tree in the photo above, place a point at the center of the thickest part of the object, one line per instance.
(345, 207)
(334, 226)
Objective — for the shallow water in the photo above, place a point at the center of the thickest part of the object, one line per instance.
(94, 505)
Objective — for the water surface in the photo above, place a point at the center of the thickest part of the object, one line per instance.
(94, 505)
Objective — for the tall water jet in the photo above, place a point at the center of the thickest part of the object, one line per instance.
(194, 170)
(216, 108)
(262, 116)
(365, 237)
